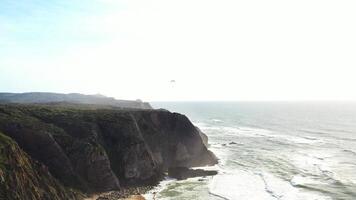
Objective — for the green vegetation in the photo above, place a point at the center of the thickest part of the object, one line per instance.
(5, 142)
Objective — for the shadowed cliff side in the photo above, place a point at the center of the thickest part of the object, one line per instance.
(22, 178)
(174, 140)
(101, 150)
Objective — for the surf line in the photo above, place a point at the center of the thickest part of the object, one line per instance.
(267, 189)
(218, 196)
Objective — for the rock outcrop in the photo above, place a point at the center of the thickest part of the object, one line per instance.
(99, 150)
(184, 172)
(173, 139)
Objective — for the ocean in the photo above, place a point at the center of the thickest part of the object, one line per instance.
(271, 150)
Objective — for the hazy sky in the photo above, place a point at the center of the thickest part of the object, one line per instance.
(214, 50)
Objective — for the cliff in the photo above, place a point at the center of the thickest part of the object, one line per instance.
(96, 150)
(72, 98)
(23, 178)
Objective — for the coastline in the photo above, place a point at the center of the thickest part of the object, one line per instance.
(134, 193)
(169, 185)
(131, 197)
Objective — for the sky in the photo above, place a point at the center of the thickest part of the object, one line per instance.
(213, 49)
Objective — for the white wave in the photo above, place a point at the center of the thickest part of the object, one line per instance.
(283, 190)
(239, 185)
(257, 132)
(151, 195)
(214, 167)
(328, 162)
(299, 180)
(200, 124)
(290, 138)
(245, 185)
(217, 120)
(312, 162)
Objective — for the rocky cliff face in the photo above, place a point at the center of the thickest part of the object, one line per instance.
(173, 139)
(101, 150)
(22, 178)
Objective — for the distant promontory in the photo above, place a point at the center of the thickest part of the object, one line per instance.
(72, 98)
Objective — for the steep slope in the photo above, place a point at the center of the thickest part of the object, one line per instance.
(173, 139)
(21, 178)
(77, 163)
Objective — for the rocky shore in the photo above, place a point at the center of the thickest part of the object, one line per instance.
(68, 152)
(181, 173)
(123, 194)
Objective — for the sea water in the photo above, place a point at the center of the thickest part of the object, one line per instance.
(271, 150)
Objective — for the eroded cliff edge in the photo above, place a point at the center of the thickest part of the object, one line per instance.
(99, 150)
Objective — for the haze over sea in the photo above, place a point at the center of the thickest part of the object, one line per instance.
(272, 150)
